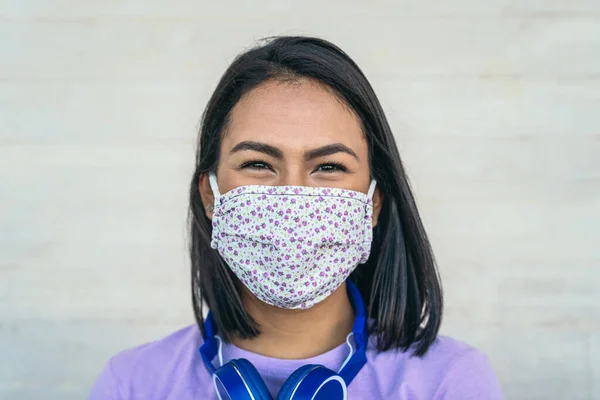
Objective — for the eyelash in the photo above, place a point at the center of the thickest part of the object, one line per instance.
(336, 167)
(263, 165)
(252, 164)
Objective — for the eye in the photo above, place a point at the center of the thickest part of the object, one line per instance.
(331, 167)
(256, 165)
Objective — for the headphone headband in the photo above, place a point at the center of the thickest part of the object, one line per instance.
(210, 347)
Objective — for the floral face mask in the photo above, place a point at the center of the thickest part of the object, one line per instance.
(292, 246)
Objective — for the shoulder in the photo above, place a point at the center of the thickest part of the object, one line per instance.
(146, 371)
(160, 352)
(449, 370)
(466, 373)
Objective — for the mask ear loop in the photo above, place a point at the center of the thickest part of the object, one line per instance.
(212, 178)
(371, 189)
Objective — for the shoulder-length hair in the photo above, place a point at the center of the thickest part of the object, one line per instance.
(399, 282)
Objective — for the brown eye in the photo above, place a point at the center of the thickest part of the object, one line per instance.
(331, 167)
(256, 165)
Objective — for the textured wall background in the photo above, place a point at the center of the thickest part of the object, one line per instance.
(495, 104)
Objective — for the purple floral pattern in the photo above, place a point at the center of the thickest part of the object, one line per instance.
(292, 246)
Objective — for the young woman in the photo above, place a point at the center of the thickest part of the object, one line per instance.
(308, 249)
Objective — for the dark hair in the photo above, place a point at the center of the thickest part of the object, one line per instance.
(399, 282)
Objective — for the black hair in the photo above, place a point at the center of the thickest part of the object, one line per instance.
(399, 282)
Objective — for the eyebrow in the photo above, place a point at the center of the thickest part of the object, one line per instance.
(330, 150)
(259, 147)
(278, 154)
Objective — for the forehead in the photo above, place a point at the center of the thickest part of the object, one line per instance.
(300, 114)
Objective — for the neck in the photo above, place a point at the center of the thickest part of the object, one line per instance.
(298, 334)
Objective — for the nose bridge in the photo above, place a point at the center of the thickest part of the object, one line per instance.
(294, 175)
(294, 171)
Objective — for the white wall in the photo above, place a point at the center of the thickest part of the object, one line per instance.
(495, 105)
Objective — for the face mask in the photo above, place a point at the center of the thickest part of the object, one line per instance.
(292, 246)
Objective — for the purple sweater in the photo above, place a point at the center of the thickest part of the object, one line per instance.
(171, 368)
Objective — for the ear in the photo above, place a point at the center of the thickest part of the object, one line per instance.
(207, 195)
(377, 203)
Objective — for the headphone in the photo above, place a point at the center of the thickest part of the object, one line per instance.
(240, 380)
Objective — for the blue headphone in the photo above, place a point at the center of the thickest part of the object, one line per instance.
(239, 379)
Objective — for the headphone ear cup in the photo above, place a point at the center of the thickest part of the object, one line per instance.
(313, 382)
(292, 381)
(252, 378)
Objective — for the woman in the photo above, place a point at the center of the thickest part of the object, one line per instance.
(307, 247)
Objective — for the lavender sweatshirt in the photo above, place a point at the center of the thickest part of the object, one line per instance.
(171, 369)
